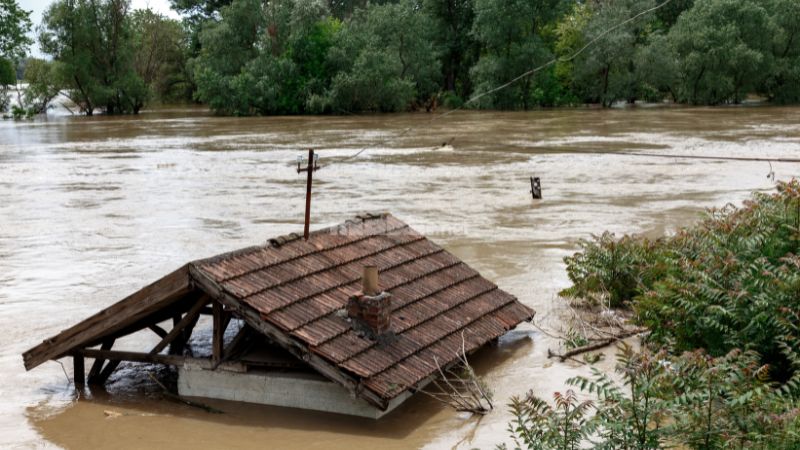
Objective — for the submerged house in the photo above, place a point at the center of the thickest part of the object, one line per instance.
(305, 323)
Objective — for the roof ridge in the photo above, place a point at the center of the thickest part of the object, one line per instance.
(280, 240)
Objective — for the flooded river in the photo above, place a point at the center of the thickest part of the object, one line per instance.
(94, 208)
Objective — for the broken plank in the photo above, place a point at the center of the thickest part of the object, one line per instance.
(113, 318)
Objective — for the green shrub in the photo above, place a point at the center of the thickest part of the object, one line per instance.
(692, 401)
(611, 271)
(731, 281)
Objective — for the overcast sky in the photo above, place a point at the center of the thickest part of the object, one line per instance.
(37, 7)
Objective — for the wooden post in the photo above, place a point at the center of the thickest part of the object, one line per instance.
(79, 369)
(97, 366)
(536, 188)
(310, 169)
(218, 333)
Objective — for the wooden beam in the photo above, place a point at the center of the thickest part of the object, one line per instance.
(97, 366)
(108, 321)
(176, 330)
(158, 330)
(170, 360)
(237, 340)
(177, 346)
(79, 371)
(109, 368)
(298, 349)
(218, 336)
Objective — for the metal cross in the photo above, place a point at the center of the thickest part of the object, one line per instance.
(310, 167)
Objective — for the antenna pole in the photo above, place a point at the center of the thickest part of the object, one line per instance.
(310, 169)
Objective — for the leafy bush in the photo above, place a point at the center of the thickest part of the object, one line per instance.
(693, 400)
(611, 271)
(538, 426)
(729, 282)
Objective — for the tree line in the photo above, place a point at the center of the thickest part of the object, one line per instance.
(259, 57)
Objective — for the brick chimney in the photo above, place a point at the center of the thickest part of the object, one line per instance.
(371, 309)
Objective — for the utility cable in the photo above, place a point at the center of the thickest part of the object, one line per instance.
(678, 156)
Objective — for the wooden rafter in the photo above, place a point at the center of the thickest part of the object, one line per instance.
(158, 330)
(190, 317)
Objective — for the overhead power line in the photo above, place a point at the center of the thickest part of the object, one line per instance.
(679, 156)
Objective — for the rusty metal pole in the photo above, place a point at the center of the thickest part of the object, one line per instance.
(310, 169)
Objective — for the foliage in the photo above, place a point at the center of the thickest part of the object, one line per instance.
(385, 60)
(453, 20)
(159, 58)
(7, 78)
(569, 38)
(111, 58)
(511, 35)
(692, 400)
(40, 76)
(291, 57)
(729, 282)
(722, 49)
(539, 426)
(606, 72)
(247, 57)
(782, 82)
(7, 74)
(15, 24)
(611, 271)
(91, 42)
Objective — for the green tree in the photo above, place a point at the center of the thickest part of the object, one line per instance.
(385, 60)
(605, 72)
(510, 35)
(160, 55)
(15, 24)
(7, 78)
(782, 84)
(723, 50)
(669, 13)
(656, 71)
(265, 58)
(452, 20)
(91, 40)
(8, 75)
(40, 76)
(569, 38)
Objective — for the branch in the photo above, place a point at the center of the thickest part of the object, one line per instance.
(592, 347)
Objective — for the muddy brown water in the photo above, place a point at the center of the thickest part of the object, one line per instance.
(94, 208)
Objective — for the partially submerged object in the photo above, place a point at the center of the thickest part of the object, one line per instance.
(302, 330)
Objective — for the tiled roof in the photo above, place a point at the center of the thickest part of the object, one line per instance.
(301, 288)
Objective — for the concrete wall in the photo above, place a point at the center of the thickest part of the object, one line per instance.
(294, 390)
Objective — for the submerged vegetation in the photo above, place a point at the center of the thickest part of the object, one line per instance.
(257, 57)
(721, 365)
